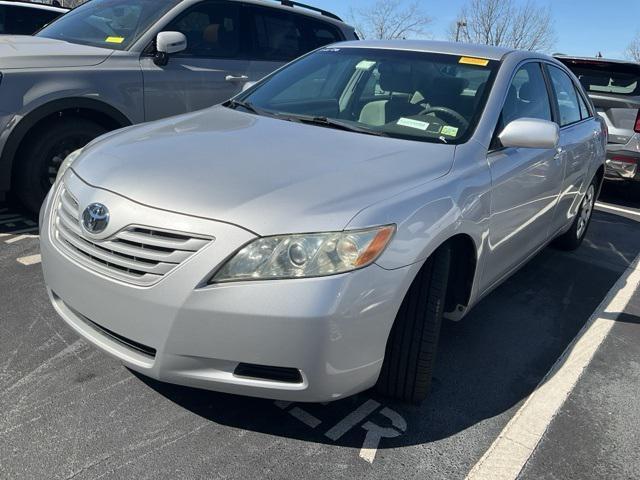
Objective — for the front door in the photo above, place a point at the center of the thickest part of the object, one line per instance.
(211, 69)
(526, 182)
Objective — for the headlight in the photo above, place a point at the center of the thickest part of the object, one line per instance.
(66, 163)
(307, 255)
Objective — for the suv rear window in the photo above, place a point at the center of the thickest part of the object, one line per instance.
(606, 77)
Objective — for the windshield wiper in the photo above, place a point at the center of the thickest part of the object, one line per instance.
(331, 123)
(248, 106)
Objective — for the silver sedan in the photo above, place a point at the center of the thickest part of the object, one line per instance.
(304, 240)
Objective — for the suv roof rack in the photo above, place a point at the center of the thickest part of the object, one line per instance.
(290, 3)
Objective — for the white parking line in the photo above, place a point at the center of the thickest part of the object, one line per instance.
(618, 209)
(351, 420)
(516, 443)
(19, 238)
(30, 260)
(305, 417)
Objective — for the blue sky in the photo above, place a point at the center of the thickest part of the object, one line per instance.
(583, 27)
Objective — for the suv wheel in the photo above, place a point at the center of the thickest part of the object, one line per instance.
(411, 348)
(46, 149)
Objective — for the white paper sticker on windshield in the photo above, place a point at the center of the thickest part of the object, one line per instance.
(417, 124)
(365, 65)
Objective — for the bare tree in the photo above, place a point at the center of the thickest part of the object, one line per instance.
(503, 23)
(633, 50)
(391, 20)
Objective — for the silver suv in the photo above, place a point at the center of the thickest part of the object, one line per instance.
(113, 63)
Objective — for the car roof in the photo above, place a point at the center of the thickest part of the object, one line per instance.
(40, 6)
(430, 46)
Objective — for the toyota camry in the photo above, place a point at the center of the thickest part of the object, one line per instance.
(304, 240)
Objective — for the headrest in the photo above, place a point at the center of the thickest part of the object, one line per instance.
(527, 92)
(211, 33)
(396, 77)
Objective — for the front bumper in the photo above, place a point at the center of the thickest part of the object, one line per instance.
(333, 330)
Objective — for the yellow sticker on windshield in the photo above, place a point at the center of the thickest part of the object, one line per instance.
(483, 62)
(114, 39)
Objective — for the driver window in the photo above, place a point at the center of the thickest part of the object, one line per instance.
(527, 97)
(212, 30)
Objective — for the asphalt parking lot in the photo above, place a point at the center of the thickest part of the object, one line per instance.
(70, 411)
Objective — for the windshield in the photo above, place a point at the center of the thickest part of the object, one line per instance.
(604, 77)
(114, 24)
(403, 94)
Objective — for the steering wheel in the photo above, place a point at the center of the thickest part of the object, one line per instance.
(452, 114)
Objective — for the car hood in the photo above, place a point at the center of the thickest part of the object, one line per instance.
(21, 51)
(267, 175)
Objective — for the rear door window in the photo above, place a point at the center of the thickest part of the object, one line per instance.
(281, 35)
(212, 30)
(566, 96)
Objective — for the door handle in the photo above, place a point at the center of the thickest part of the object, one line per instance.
(238, 78)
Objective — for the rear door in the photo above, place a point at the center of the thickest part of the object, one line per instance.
(526, 181)
(211, 70)
(579, 134)
(279, 36)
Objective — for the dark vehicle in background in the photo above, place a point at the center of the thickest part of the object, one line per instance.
(614, 88)
(26, 18)
(109, 64)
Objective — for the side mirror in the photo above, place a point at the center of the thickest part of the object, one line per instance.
(168, 43)
(530, 133)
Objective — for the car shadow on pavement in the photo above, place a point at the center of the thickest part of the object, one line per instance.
(487, 364)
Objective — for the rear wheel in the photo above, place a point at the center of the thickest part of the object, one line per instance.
(47, 148)
(574, 237)
(411, 348)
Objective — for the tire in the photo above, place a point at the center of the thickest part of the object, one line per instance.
(574, 237)
(409, 359)
(46, 148)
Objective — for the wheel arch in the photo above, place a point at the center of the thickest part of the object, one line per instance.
(92, 109)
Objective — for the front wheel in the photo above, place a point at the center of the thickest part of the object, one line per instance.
(574, 237)
(46, 149)
(411, 348)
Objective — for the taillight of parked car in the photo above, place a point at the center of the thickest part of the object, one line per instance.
(624, 159)
(636, 128)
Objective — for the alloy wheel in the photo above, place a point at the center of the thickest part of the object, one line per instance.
(586, 210)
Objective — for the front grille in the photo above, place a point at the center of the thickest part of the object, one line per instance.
(139, 255)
